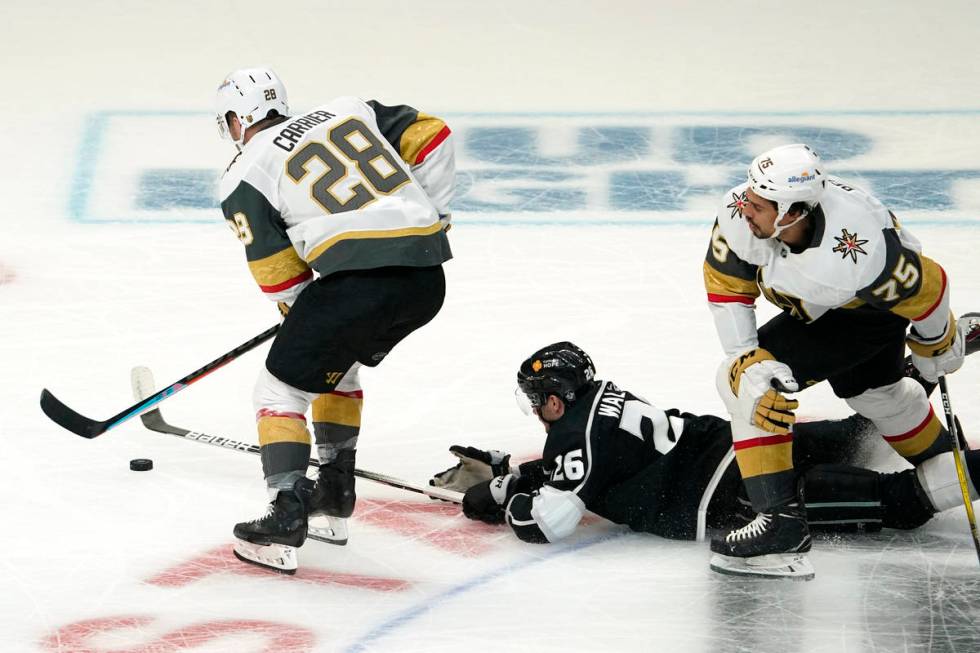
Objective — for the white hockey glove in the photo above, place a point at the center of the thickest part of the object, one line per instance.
(753, 385)
(932, 364)
(474, 466)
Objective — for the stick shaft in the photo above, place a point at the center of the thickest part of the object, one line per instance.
(153, 420)
(77, 423)
(958, 458)
(142, 381)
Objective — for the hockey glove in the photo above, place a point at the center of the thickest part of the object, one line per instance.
(931, 362)
(474, 466)
(756, 381)
(485, 501)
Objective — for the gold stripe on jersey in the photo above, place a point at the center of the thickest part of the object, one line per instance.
(719, 283)
(278, 269)
(418, 135)
(318, 251)
(763, 459)
(282, 429)
(930, 292)
(335, 408)
(917, 440)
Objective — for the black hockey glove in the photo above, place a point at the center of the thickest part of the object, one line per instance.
(474, 466)
(485, 501)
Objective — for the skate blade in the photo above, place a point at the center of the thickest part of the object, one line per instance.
(323, 528)
(793, 566)
(275, 557)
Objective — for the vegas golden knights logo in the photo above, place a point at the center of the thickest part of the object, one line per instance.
(333, 378)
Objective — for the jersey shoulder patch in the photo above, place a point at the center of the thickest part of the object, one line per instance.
(257, 164)
(858, 238)
(735, 233)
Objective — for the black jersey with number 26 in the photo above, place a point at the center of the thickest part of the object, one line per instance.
(616, 455)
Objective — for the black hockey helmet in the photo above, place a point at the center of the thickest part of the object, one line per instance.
(560, 369)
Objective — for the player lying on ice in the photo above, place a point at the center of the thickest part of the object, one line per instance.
(672, 473)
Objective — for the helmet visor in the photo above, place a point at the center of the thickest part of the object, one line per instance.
(525, 402)
(223, 129)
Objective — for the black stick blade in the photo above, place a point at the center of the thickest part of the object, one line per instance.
(67, 418)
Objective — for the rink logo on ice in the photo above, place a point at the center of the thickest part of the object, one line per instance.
(528, 169)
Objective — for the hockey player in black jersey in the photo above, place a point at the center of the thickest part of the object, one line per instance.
(671, 473)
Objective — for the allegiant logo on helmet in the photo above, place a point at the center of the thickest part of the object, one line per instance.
(804, 176)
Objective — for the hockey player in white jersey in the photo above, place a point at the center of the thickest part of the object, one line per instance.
(850, 282)
(343, 212)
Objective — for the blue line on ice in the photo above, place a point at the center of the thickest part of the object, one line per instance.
(427, 604)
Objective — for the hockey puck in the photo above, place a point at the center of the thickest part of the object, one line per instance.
(141, 464)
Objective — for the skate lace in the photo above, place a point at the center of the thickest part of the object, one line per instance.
(269, 509)
(754, 528)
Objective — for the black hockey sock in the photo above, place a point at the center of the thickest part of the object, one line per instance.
(841, 498)
(973, 466)
(904, 502)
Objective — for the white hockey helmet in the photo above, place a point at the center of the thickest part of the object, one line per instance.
(251, 93)
(785, 175)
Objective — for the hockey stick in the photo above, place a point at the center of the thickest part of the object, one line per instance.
(958, 457)
(65, 417)
(142, 379)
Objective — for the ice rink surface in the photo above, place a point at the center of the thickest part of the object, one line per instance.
(594, 141)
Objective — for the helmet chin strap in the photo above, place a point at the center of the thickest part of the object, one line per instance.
(778, 228)
(240, 141)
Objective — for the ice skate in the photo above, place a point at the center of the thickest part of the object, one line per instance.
(773, 545)
(324, 528)
(334, 491)
(332, 499)
(275, 557)
(794, 566)
(271, 540)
